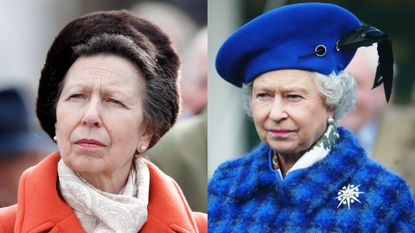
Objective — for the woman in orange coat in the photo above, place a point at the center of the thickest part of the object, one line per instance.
(107, 93)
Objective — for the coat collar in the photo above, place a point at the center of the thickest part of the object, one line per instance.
(41, 207)
(167, 205)
(252, 175)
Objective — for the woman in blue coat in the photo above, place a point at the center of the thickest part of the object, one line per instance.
(307, 175)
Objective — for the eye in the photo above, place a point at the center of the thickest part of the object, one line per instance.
(115, 101)
(76, 96)
(263, 96)
(294, 97)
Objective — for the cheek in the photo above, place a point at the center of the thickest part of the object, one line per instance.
(67, 126)
(122, 130)
(259, 110)
(312, 115)
(259, 115)
(65, 120)
(60, 118)
(318, 121)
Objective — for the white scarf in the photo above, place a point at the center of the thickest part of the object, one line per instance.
(102, 212)
(318, 151)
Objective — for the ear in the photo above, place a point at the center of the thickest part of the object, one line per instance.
(54, 139)
(146, 134)
(330, 111)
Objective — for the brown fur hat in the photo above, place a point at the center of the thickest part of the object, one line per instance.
(143, 33)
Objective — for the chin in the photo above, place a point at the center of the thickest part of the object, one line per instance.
(283, 148)
(85, 164)
(286, 152)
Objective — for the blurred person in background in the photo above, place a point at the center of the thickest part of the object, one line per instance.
(19, 148)
(364, 120)
(171, 19)
(185, 145)
(107, 93)
(384, 131)
(395, 141)
(195, 76)
(191, 44)
(307, 174)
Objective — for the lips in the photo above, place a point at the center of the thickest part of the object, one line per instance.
(89, 143)
(281, 132)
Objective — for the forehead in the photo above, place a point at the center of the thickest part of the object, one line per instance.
(286, 79)
(102, 68)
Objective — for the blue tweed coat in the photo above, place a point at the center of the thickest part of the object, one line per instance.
(247, 195)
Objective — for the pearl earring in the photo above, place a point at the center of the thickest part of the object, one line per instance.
(143, 148)
(55, 139)
(330, 120)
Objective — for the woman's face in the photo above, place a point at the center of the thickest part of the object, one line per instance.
(99, 114)
(288, 110)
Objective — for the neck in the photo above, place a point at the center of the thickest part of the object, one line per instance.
(111, 183)
(286, 162)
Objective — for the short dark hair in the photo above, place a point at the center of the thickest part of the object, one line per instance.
(120, 33)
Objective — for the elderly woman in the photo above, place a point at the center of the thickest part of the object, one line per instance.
(307, 175)
(107, 93)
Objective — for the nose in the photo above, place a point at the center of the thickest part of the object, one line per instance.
(91, 117)
(278, 110)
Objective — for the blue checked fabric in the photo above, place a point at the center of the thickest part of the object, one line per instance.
(247, 195)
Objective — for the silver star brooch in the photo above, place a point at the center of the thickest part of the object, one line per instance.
(348, 195)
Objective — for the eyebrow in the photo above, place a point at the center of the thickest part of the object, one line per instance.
(119, 93)
(77, 86)
(295, 88)
(289, 88)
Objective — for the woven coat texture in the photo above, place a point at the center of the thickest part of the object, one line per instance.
(247, 195)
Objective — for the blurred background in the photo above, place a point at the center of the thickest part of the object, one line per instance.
(390, 129)
(27, 31)
(29, 27)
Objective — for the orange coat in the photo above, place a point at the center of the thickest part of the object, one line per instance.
(40, 207)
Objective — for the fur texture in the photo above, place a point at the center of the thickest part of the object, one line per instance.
(247, 195)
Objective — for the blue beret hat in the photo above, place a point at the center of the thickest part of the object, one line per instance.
(298, 36)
